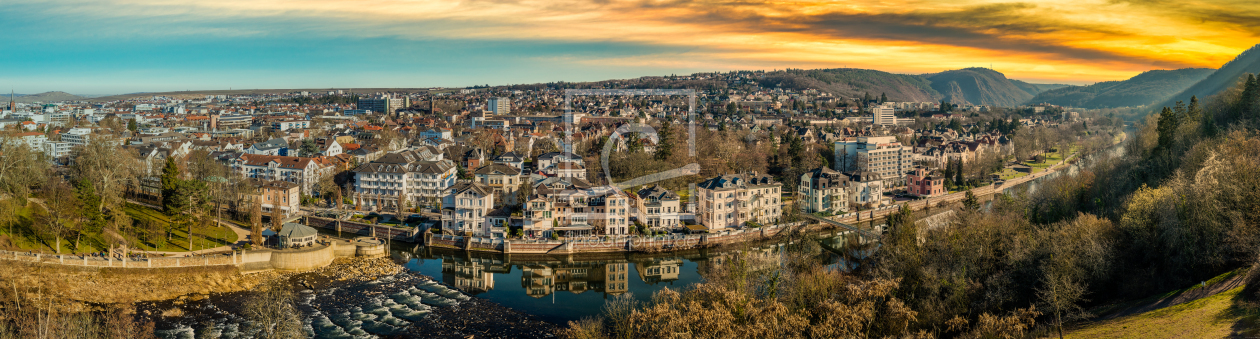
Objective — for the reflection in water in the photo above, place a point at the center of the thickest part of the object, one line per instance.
(563, 288)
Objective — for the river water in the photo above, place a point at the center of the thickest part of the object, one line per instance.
(564, 288)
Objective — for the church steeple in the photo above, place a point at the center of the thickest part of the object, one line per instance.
(12, 104)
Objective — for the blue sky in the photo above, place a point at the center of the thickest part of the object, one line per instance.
(123, 46)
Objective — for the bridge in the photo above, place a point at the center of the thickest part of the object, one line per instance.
(864, 232)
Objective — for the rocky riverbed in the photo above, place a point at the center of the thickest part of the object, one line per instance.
(354, 298)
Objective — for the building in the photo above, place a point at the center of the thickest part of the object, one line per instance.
(865, 189)
(576, 208)
(884, 115)
(57, 149)
(822, 190)
(738, 200)
(504, 179)
(464, 209)
(304, 172)
(386, 105)
(221, 121)
(354, 112)
(296, 235)
(290, 124)
(922, 182)
(275, 146)
(34, 140)
(279, 194)
(500, 106)
(657, 207)
(379, 184)
(880, 155)
(77, 136)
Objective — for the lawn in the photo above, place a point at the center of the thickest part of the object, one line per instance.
(23, 234)
(1008, 173)
(205, 237)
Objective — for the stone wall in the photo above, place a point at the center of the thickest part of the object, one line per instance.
(305, 259)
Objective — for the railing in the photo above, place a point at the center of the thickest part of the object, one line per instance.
(215, 259)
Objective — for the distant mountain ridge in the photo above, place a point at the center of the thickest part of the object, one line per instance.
(1223, 78)
(1144, 89)
(54, 96)
(978, 86)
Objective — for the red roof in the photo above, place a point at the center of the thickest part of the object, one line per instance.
(350, 147)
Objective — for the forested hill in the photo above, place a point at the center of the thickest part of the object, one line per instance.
(1144, 89)
(979, 86)
(1225, 77)
(973, 85)
(854, 83)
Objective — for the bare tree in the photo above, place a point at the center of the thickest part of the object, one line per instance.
(272, 314)
(277, 217)
(255, 222)
(108, 167)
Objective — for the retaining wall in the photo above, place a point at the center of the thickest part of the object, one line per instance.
(379, 231)
(300, 260)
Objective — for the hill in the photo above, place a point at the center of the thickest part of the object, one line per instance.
(854, 83)
(45, 97)
(1226, 76)
(1143, 89)
(979, 86)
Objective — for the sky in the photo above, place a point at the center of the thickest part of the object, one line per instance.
(126, 46)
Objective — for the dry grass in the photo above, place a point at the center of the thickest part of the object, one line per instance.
(1217, 316)
(173, 312)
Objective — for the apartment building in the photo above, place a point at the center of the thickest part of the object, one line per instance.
(504, 179)
(923, 182)
(378, 185)
(290, 124)
(732, 201)
(657, 207)
(77, 136)
(822, 190)
(278, 194)
(500, 106)
(884, 156)
(301, 171)
(464, 209)
(576, 208)
(884, 115)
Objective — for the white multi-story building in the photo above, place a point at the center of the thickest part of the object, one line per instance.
(464, 209)
(884, 115)
(823, 190)
(290, 124)
(421, 175)
(57, 149)
(77, 136)
(657, 207)
(731, 201)
(500, 106)
(34, 140)
(880, 155)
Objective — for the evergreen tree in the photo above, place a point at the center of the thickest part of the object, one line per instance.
(131, 125)
(1193, 112)
(883, 98)
(971, 202)
(171, 202)
(958, 173)
(1247, 103)
(1167, 127)
(665, 148)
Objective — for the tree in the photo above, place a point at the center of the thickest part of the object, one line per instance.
(1194, 112)
(970, 202)
(93, 220)
(883, 97)
(1167, 128)
(21, 168)
(277, 216)
(523, 192)
(1247, 101)
(63, 206)
(271, 312)
(255, 222)
(131, 125)
(309, 148)
(172, 203)
(108, 168)
(402, 204)
(665, 148)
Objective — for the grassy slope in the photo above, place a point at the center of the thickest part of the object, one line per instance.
(1217, 316)
(207, 237)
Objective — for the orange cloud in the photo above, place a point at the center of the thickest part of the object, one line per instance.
(1069, 41)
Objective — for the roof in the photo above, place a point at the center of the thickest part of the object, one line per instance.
(292, 230)
(731, 181)
(657, 193)
(461, 187)
(497, 168)
(271, 144)
(283, 161)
